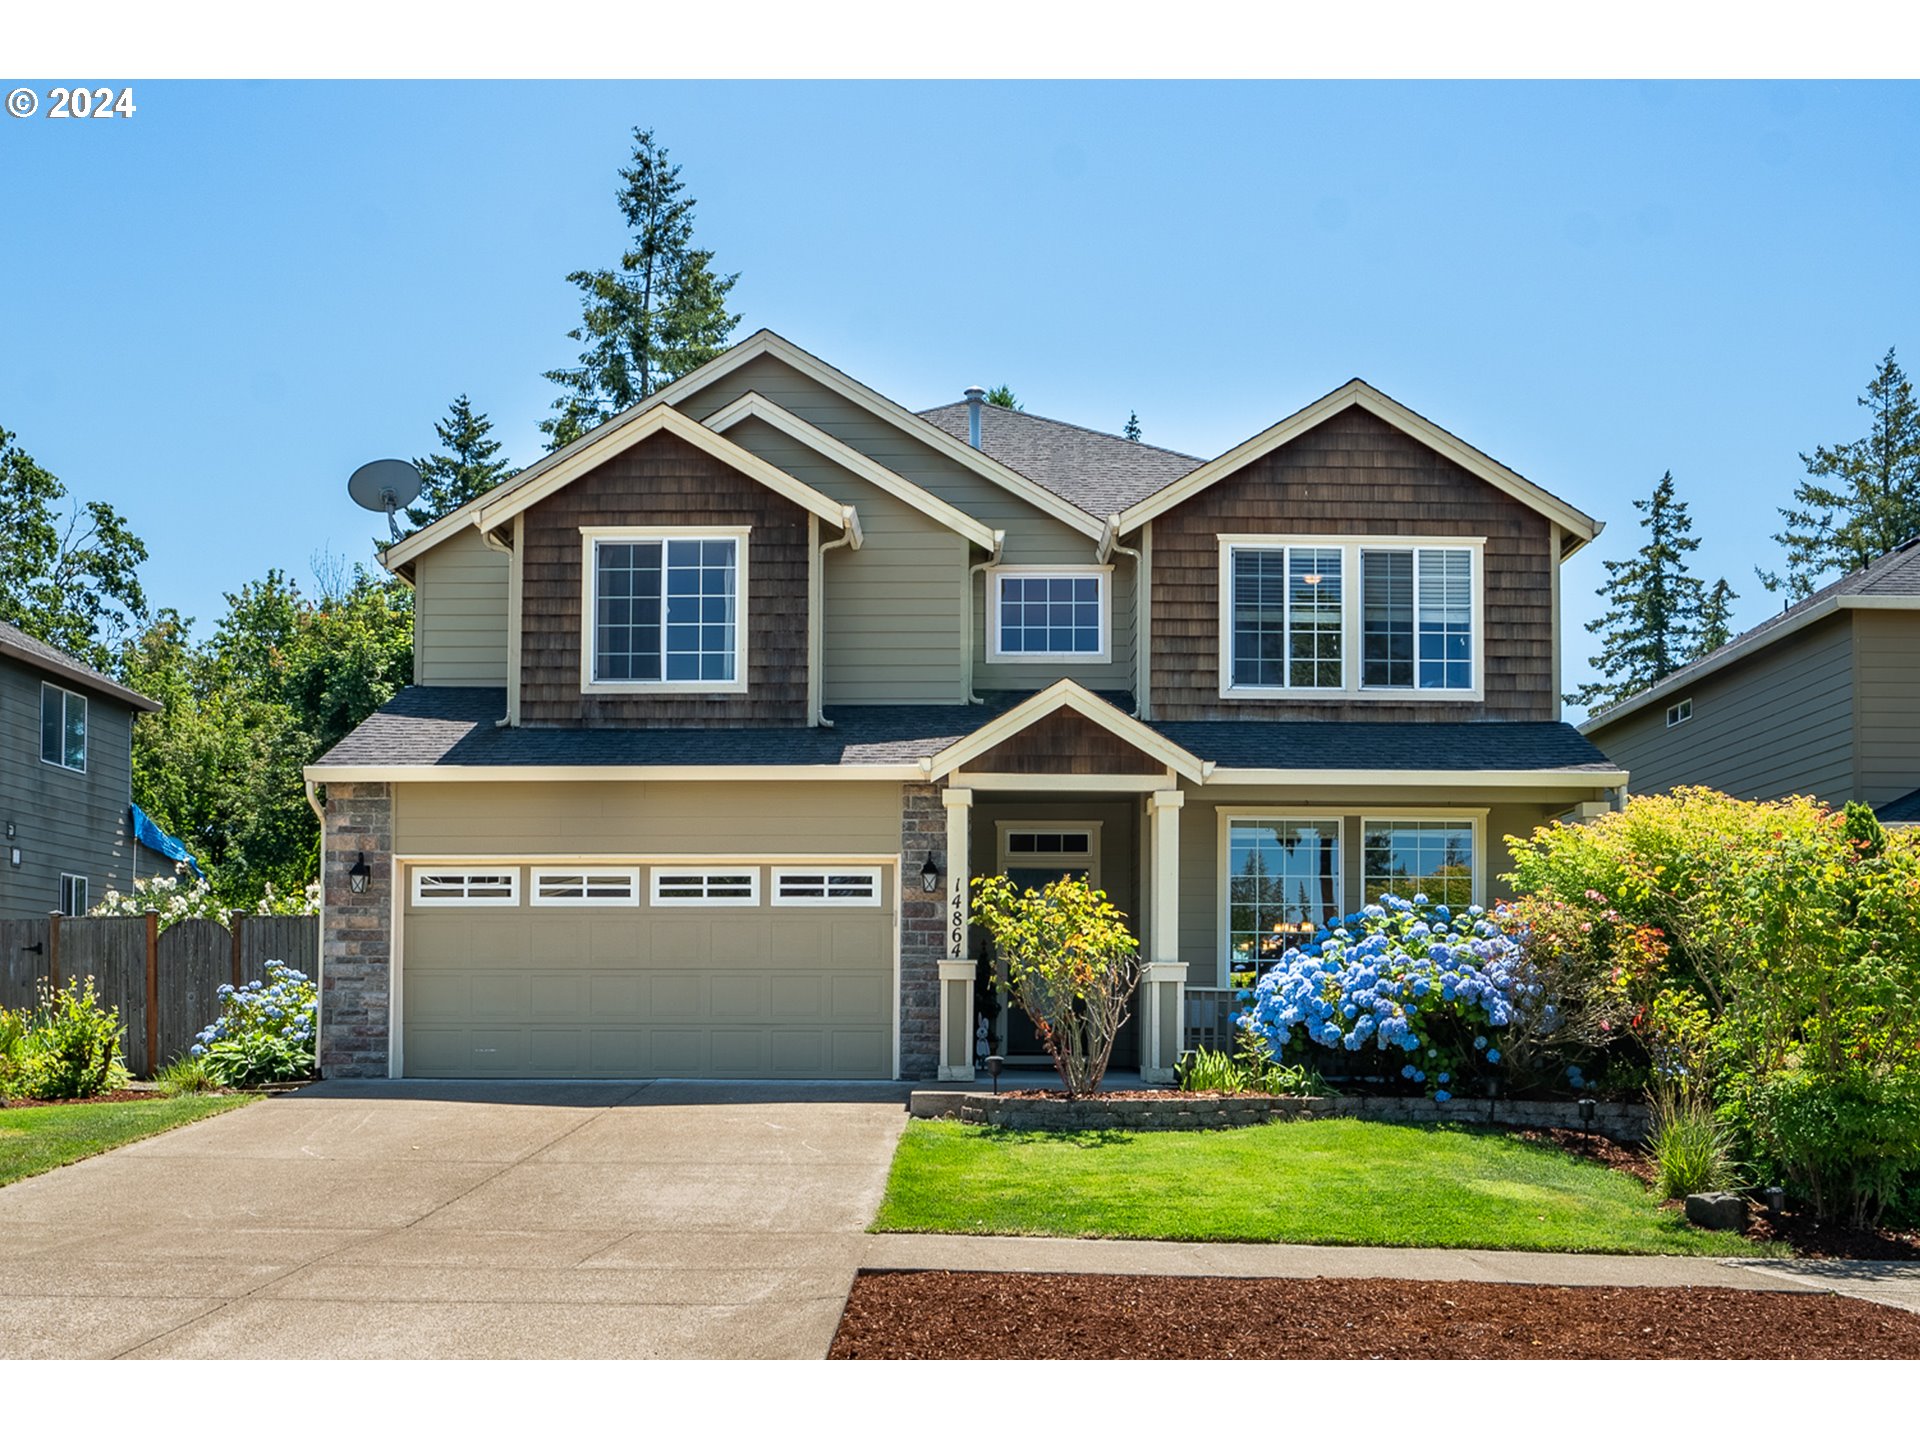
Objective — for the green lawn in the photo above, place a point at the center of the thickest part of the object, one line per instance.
(44, 1137)
(1324, 1182)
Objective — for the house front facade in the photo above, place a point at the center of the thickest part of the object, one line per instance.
(1822, 699)
(66, 782)
(718, 710)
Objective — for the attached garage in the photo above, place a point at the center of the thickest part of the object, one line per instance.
(632, 968)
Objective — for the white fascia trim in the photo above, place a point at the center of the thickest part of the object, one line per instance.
(1740, 648)
(1167, 784)
(1065, 694)
(1394, 779)
(547, 774)
(758, 407)
(1357, 392)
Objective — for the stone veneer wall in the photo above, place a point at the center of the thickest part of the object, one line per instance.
(356, 940)
(923, 828)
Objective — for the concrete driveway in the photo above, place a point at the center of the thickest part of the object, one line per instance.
(442, 1218)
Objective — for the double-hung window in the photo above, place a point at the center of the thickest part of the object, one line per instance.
(63, 728)
(666, 610)
(1352, 617)
(1058, 614)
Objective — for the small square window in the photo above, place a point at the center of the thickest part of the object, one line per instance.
(1051, 616)
(1677, 713)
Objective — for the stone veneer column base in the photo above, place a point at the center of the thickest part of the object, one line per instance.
(356, 934)
(923, 831)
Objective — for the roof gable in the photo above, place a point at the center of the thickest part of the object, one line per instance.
(16, 644)
(1068, 695)
(1356, 392)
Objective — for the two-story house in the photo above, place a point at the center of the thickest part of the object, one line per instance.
(66, 782)
(719, 708)
(1822, 699)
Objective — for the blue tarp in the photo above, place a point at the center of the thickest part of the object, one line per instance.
(154, 838)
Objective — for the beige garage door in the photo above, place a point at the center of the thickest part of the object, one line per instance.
(636, 970)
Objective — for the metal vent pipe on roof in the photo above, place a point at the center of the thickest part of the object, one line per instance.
(975, 394)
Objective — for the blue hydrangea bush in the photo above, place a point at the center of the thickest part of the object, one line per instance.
(264, 1033)
(1423, 992)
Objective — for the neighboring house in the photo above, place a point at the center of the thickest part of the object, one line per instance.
(66, 782)
(1822, 699)
(838, 657)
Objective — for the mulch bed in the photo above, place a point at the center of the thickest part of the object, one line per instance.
(109, 1098)
(947, 1315)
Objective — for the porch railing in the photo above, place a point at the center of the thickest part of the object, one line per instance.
(1209, 1018)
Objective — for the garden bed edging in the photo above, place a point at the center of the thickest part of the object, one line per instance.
(1186, 1110)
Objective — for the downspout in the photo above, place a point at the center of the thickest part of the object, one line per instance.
(851, 537)
(1110, 546)
(494, 542)
(966, 647)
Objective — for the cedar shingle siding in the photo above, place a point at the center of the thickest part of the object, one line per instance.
(1353, 475)
(1065, 743)
(665, 481)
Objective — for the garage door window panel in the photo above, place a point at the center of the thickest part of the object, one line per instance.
(733, 885)
(491, 886)
(599, 886)
(838, 885)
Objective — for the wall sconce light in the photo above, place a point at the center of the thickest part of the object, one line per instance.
(14, 856)
(10, 830)
(929, 875)
(359, 875)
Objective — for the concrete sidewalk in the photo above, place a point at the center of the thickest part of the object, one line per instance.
(1173, 1257)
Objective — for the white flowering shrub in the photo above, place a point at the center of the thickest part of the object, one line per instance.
(186, 896)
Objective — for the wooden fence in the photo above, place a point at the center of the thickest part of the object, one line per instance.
(164, 983)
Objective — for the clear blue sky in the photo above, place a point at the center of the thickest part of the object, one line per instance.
(212, 312)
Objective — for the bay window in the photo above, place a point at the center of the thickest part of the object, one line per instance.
(1293, 610)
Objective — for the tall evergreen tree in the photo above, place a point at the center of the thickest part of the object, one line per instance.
(1132, 430)
(1003, 396)
(1861, 498)
(1716, 619)
(1653, 605)
(660, 313)
(463, 469)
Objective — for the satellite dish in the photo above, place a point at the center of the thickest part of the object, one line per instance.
(385, 485)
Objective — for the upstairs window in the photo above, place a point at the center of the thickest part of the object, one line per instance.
(1294, 612)
(667, 610)
(63, 728)
(1049, 614)
(1680, 713)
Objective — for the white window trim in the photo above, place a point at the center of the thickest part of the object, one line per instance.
(1225, 815)
(591, 536)
(628, 873)
(1352, 602)
(1476, 818)
(751, 900)
(870, 873)
(86, 728)
(1674, 712)
(421, 872)
(1005, 828)
(997, 656)
(79, 880)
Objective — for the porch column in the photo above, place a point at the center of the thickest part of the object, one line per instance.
(1163, 979)
(956, 970)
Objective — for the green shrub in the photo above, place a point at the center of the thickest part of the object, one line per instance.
(1691, 1148)
(1847, 1144)
(264, 1033)
(1251, 1072)
(68, 1048)
(185, 1076)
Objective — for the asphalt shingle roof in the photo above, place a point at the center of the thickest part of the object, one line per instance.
(21, 646)
(455, 726)
(1101, 473)
(1904, 811)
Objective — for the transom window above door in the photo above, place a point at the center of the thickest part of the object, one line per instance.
(1049, 614)
(666, 610)
(1035, 855)
(1349, 617)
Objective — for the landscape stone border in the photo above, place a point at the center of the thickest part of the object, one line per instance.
(1183, 1110)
